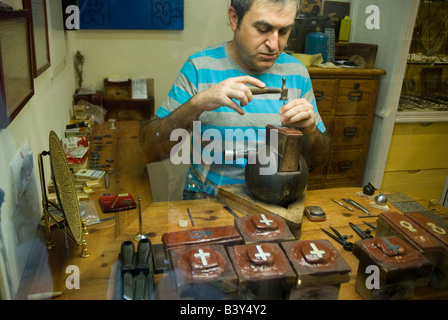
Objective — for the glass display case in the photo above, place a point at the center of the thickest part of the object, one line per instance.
(425, 84)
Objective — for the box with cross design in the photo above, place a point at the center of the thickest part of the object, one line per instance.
(263, 270)
(388, 268)
(439, 230)
(320, 269)
(202, 272)
(263, 228)
(397, 224)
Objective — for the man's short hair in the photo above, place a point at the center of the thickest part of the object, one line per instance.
(242, 6)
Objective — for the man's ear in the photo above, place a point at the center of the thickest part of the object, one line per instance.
(233, 18)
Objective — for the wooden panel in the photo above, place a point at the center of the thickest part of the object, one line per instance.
(351, 130)
(417, 147)
(345, 164)
(355, 96)
(324, 91)
(425, 184)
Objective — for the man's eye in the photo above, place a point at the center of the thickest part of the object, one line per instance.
(263, 30)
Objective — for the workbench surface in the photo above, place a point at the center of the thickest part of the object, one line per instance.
(46, 270)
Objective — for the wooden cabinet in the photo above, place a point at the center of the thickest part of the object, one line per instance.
(346, 100)
(120, 105)
(417, 163)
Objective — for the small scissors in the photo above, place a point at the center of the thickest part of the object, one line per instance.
(348, 246)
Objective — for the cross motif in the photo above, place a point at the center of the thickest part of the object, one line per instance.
(265, 220)
(261, 254)
(390, 246)
(203, 255)
(316, 251)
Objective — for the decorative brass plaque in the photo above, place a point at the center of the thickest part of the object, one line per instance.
(65, 188)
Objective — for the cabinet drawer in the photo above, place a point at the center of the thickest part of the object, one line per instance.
(345, 164)
(424, 184)
(324, 91)
(351, 130)
(355, 96)
(415, 147)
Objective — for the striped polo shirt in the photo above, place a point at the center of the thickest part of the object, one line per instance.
(214, 130)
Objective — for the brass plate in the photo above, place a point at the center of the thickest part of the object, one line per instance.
(65, 188)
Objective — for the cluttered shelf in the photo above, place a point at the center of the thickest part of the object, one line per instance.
(115, 151)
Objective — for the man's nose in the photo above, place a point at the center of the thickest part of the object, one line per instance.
(272, 40)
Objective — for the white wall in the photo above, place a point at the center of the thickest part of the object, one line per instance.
(49, 109)
(157, 54)
(397, 20)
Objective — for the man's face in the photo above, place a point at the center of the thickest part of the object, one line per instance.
(262, 34)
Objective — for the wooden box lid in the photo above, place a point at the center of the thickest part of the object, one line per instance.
(226, 235)
(262, 262)
(316, 262)
(207, 268)
(410, 230)
(437, 229)
(396, 259)
(263, 228)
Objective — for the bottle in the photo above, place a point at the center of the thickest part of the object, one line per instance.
(317, 42)
(344, 31)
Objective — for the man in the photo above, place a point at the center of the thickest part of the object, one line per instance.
(212, 88)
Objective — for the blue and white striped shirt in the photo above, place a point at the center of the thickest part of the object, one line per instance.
(211, 66)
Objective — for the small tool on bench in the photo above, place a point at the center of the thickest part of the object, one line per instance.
(348, 246)
(364, 234)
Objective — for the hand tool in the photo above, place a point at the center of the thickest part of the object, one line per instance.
(144, 269)
(348, 246)
(356, 205)
(370, 225)
(283, 90)
(231, 211)
(364, 234)
(284, 95)
(343, 205)
(266, 90)
(127, 269)
(140, 235)
(191, 217)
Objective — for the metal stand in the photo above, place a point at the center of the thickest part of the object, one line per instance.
(49, 239)
(140, 235)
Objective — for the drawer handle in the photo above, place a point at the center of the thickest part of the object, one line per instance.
(345, 165)
(350, 131)
(319, 95)
(355, 95)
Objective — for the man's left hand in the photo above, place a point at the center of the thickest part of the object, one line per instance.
(299, 114)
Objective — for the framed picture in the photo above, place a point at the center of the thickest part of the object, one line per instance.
(39, 31)
(336, 11)
(16, 77)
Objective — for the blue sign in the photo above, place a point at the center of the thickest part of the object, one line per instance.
(133, 14)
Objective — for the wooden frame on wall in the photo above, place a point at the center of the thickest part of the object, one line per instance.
(16, 72)
(39, 31)
(341, 9)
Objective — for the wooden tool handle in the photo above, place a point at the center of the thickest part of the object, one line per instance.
(257, 90)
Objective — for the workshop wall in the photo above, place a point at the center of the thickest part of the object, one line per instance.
(157, 54)
(48, 109)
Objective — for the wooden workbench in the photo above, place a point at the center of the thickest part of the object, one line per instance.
(98, 273)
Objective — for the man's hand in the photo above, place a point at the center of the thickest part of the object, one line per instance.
(222, 94)
(299, 114)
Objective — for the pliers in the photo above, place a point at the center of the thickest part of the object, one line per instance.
(364, 234)
(348, 246)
